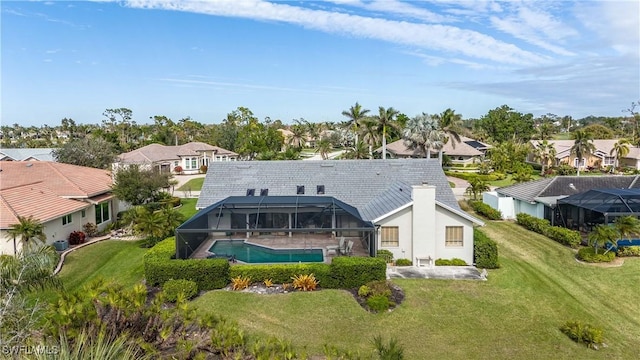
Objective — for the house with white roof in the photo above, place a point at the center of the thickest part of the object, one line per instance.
(466, 151)
(405, 206)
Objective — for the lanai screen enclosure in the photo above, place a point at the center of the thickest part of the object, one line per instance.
(274, 216)
(598, 206)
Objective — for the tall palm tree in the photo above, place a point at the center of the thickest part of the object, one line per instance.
(298, 136)
(370, 134)
(26, 229)
(421, 133)
(602, 234)
(385, 120)
(545, 152)
(324, 148)
(582, 146)
(451, 124)
(626, 226)
(620, 149)
(355, 114)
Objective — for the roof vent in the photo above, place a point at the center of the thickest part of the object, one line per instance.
(300, 190)
(264, 192)
(320, 189)
(326, 164)
(29, 164)
(251, 192)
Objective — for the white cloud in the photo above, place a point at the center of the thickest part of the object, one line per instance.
(434, 37)
(615, 24)
(398, 8)
(52, 51)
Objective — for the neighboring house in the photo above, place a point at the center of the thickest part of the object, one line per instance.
(467, 151)
(601, 158)
(22, 154)
(190, 157)
(404, 206)
(62, 197)
(539, 198)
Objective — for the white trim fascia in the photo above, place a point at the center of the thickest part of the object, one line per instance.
(461, 213)
(392, 212)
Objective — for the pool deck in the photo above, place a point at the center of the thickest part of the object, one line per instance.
(298, 241)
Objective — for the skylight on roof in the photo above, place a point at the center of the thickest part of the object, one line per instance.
(300, 190)
(251, 192)
(320, 189)
(264, 192)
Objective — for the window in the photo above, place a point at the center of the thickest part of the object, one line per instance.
(66, 219)
(575, 162)
(102, 213)
(389, 236)
(84, 213)
(264, 192)
(453, 236)
(194, 163)
(176, 163)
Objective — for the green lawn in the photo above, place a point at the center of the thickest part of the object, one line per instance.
(188, 208)
(192, 185)
(513, 315)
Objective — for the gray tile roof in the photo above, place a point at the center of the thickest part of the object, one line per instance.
(567, 185)
(20, 154)
(374, 187)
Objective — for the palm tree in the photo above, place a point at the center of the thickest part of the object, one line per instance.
(26, 229)
(386, 119)
(451, 124)
(324, 148)
(172, 218)
(582, 147)
(370, 134)
(421, 133)
(626, 226)
(298, 135)
(355, 114)
(476, 187)
(602, 234)
(359, 151)
(620, 149)
(545, 152)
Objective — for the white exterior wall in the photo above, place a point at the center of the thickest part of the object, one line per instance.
(403, 220)
(424, 222)
(502, 203)
(536, 210)
(446, 218)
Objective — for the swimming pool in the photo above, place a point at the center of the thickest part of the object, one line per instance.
(251, 253)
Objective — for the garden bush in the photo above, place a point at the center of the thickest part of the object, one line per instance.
(452, 262)
(486, 210)
(495, 176)
(282, 273)
(562, 235)
(77, 237)
(90, 229)
(588, 254)
(485, 251)
(348, 272)
(173, 288)
(385, 254)
(403, 262)
(159, 267)
(203, 169)
(378, 303)
(629, 251)
(583, 333)
(178, 169)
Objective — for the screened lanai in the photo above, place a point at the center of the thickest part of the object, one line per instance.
(294, 220)
(598, 206)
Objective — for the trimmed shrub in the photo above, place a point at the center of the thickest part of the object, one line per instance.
(403, 262)
(485, 210)
(588, 254)
(629, 251)
(485, 251)
(178, 169)
(203, 169)
(159, 267)
(173, 288)
(76, 238)
(282, 273)
(470, 175)
(385, 254)
(562, 235)
(583, 333)
(349, 272)
(90, 229)
(378, 303)
(452, 262)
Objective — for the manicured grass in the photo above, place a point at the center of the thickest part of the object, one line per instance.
(188, 208)
(116, 260)
(515, 314)
(192, 185)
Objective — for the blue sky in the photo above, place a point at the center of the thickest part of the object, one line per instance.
(312, 60)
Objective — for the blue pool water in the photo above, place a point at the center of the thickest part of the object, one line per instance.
(250, 253)
(622, 243)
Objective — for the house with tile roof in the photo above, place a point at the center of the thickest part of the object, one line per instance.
(539, 198)
(23, 154)
(600, 159)
(405, 206)
(62, 197)
(190, 157)
(466, 151)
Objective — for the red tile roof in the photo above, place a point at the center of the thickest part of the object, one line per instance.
(46, 190)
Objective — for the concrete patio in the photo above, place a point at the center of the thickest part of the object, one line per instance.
(436, 272)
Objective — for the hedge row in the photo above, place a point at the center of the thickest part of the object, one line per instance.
(452, 262)
(343, 273)
(485, 251)
(588, 254)
(562, 235)
(486, 210)
(160, 267)
(629, 251)
(470, 175)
